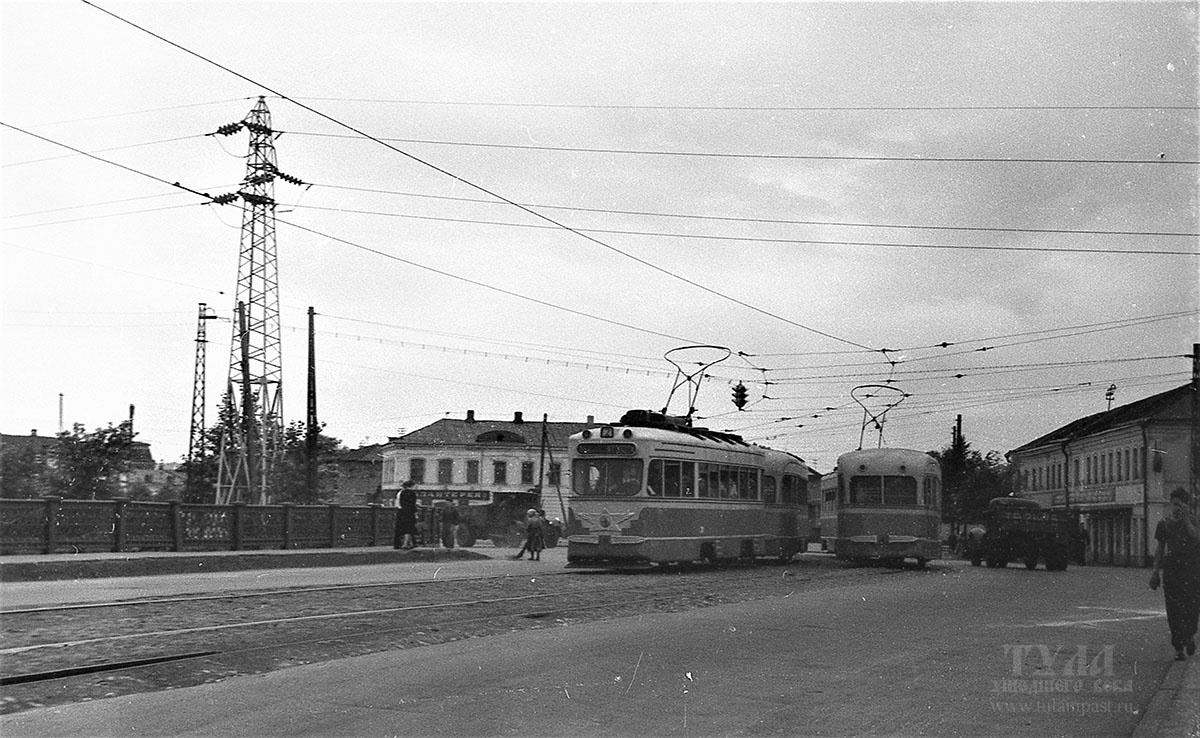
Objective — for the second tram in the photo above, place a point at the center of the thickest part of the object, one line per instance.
(888, 506)
(651, 489)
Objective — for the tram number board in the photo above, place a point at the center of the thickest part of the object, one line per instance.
(607, 449)
(453, 494)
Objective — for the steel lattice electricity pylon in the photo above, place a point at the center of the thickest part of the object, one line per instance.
(252, 414)
(195, 455)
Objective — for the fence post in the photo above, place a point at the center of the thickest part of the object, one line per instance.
(119, 523)
(237, 524)
(287, 524)
(374, 539)
(176, 525)
(333, 537)
(53, 504)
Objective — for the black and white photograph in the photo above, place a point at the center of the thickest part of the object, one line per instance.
(487, 368)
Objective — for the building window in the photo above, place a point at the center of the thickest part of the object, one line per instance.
(555, 473)
(416, 471)
(1076, 473)
(500, 472)
(445, 471)
(526, 472)
(473, 472)
(1111, 477)
(1120, 469)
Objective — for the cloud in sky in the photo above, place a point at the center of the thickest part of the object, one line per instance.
(772, 144)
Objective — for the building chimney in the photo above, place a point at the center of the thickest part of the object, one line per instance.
(591, 420)
(517, 417)
(470, 416)
(33, 432)
(131, 418)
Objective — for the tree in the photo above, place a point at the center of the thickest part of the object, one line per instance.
(89, 466)
(289, 482)
(970, 479)
(22, 473)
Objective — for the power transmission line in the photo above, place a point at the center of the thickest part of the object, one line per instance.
(478, 187)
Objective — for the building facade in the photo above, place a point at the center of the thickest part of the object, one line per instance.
(468, 460)
(1116, 469)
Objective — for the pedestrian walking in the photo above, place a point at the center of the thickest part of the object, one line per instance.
(534, 540)
(1081, 545)
(1177, 568)
(406, 518)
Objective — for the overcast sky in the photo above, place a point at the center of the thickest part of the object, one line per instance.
(805, 184)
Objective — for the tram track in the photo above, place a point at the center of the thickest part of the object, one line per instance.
(56, 655)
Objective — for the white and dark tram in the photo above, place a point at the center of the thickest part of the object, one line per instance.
(884, 505)
(652, 489)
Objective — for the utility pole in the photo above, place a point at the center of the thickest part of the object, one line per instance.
(311, 428)
(255, 385)
(195, 453)
(1195, 429)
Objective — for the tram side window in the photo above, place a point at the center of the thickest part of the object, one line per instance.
(670, 478)
(606, 477)
(795, 491)
(768, 489)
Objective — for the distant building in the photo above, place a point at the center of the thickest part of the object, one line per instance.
(470, 460)
(1115, 468)
(28, 457)
(359, 473)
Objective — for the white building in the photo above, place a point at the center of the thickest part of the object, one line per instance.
(1117, 469)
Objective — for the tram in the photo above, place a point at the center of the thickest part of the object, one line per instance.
(888, 506)
(652, 489)
(828, 515)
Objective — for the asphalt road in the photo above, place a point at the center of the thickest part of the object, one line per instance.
(953, 651)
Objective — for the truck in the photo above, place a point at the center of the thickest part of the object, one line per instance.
(1017, 529)
(461, 517)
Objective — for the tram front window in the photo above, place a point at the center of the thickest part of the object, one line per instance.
(606, 477)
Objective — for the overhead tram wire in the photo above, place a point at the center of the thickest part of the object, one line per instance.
(480, 188)
(772, 221)
(733, 155)
(476, 283)
(759, 108)
(221, 200)
(749, 239)
(110, 148)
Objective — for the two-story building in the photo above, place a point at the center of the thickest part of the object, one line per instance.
(475, 462)
(1116, 469)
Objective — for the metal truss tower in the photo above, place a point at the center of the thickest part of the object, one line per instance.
(254, 401)
(195, 455)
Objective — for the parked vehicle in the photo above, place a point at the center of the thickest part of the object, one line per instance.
(1017, 529)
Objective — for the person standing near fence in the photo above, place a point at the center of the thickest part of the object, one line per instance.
(534, 541)
(406, 518)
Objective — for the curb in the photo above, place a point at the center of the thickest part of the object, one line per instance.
(133, 565)
(1174, 710)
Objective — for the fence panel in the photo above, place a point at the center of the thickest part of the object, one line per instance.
(207, 527)
(23, 527)
(352, 527)
(148, 527)
(262, 527)
(85, 525)
(309, 527)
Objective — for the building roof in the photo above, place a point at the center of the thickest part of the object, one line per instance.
(472, 432)
(33, 441)
(1153, 407)
(366, 453)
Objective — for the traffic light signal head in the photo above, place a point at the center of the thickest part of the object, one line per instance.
(739, 395)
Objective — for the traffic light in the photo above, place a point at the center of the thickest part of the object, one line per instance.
(739, 395)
